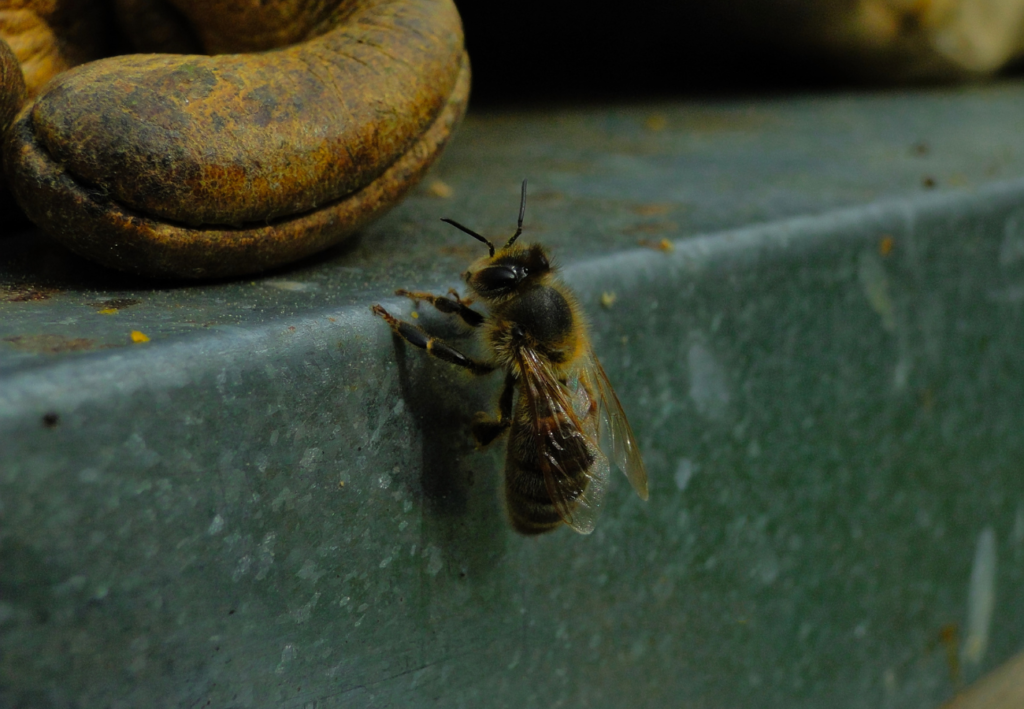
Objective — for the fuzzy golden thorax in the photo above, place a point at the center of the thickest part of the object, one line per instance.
(529, 307)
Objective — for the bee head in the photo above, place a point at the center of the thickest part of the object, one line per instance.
(509, 271)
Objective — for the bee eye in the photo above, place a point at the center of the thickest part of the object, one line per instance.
(496, 278)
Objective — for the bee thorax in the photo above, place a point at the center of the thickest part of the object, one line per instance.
(544, 315)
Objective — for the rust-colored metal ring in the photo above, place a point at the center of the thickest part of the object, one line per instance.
(195, 166)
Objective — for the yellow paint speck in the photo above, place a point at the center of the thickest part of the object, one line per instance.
(107, 311)
(664, 245)
(439, 189)
(656, 122)
(608, 299)
(415, 315)
(885, 245)
(139, 337)
(875, 284)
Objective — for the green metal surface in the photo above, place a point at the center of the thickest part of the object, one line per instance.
(273, 504)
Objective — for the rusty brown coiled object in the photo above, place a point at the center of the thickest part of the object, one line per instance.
(202, 166)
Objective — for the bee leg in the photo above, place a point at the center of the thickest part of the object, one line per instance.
(416, 337)
(449, 306)
(455, 296)
(485, 430)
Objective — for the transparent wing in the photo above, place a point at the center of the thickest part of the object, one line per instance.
(617, 435)
(565, 425)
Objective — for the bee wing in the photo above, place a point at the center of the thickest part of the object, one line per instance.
(566, 431)
(618, 435)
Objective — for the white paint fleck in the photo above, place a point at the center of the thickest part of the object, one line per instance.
(805, 630)
(293, 286)
(875, 284)
(287, 655)
(1010, 294)
(216, 525)
(301, 615)
(1011, 251)
(562, 631)
(889, 681)
(901, 373)
(285, 497)
(767, 568)
(684, 471)
(1017, 536)
(384, 481)
(89, 475)
(138, 648)
(265, 552)
(310, 458)
(434, 564)
(309, 571)
(143, 456)
(242, 568)
(76, 583)
(981, 599)
(709, 389)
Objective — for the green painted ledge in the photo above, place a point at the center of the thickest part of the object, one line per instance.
(274, 504)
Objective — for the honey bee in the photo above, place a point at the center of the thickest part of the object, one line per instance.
(561, 414)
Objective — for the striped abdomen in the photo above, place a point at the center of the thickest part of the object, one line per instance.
(544, 442)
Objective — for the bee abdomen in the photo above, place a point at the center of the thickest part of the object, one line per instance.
(561, 450)
(551, 442)
(529, 505)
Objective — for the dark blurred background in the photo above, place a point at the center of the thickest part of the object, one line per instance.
(539, 51)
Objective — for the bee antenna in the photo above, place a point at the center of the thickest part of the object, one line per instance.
(471, 233)
(522, 213)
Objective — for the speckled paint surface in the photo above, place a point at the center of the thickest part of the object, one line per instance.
(272, 504)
